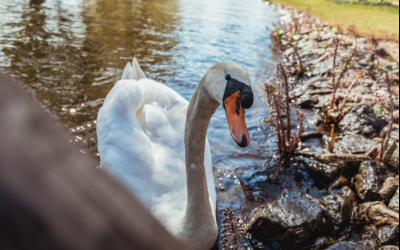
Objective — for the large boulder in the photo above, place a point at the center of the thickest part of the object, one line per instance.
(360, 245)
(363, 121)
(370, 179)
(354, 144)
(394, 202)
(387, 235)
(294, 219)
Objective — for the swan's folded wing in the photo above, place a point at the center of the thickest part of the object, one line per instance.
(168, 102)
(125, 150)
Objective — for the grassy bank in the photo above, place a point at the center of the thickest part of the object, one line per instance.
(369, 20)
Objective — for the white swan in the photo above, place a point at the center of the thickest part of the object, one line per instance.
(155, 142)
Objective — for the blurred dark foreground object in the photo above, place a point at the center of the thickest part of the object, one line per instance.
(51, 195)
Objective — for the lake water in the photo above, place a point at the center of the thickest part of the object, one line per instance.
(70, 53)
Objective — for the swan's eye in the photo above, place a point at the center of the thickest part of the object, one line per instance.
(247, 97)
(228, 77)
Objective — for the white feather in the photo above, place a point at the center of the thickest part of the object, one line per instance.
(141, 141)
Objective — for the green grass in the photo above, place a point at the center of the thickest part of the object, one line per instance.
(379, 21)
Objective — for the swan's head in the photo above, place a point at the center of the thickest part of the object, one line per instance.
(229, 84)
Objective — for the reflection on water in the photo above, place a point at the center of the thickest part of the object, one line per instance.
(69, 54)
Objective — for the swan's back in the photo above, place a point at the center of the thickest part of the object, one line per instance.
(141, 141)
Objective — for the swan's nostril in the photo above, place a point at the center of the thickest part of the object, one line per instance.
(243, 143)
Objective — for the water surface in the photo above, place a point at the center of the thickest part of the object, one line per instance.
(70, 53)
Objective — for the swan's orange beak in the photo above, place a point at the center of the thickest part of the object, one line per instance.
(235, 114)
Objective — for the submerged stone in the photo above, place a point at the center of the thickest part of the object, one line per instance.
(363, 121)
(354, 144)
(293, 219)
(370, 180)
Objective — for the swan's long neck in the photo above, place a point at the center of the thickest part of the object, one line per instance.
(199, 217)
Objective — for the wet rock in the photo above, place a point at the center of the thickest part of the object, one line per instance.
(327, 173)
(339, 183)
(333, 205)
(328, 36)
(394, 202)
(297, 37)
(394, 161)
(322, 100)
(309, 54)
(338, 207)
(297, 92)
(359, 93)
(320, 70)
(349, 196)
(354, 144)
(387, 235)
(363, 121)
(380, 109)
(322, 91)
(315, 35)
(301, 90)
(377, 213)
(369, 83)
(324, 242)
(370, 180)
(321, 82)
(306, 101)
(360, 245)
(315, 119)
(389, 248)
(395, 132)
(293, 219)
(311, 135)
(362, 90)
(338, 160)
(389, 188)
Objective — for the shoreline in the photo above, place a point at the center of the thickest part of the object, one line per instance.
(334, 70)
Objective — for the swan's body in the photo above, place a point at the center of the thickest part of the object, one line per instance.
(154, 141)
